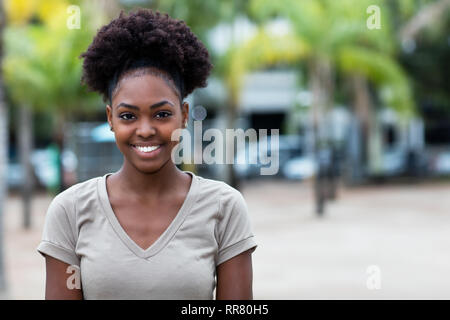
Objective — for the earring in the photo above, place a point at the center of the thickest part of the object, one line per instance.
(185, 124)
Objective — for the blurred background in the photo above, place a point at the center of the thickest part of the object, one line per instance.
(359, 91)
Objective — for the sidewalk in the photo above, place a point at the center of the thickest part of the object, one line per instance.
(25, 267)
(403, 230)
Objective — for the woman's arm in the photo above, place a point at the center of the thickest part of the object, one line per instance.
(56, 287)
(235, 277)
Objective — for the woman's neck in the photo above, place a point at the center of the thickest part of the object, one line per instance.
(143, 185)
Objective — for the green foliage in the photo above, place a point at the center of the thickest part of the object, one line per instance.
(263, 50)
(201, 15)
(42, 69)
(328, 24)
(384, 72)
(336, 31)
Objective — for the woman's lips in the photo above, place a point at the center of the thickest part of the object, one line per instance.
(149, 154)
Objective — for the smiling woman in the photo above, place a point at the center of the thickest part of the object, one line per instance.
(149, 230)
(143, 113)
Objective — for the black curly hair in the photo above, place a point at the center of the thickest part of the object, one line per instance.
(145, 40)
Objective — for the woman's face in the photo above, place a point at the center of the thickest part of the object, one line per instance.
(145, 111)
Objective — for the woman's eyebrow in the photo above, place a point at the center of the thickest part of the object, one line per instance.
(156, 105)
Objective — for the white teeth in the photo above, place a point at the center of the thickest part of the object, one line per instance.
(147, 149)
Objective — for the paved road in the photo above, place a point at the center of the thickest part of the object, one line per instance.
(389, 242)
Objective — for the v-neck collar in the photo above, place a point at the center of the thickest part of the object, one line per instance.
(165, 237)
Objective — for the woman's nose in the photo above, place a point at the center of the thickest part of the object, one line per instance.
(145, 129)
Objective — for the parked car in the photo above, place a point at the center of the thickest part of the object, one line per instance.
(440, 164)
(300, 168)
(45, 167)
(248, 164)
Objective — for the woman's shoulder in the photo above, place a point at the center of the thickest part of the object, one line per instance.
(76, 191)
(219, 190)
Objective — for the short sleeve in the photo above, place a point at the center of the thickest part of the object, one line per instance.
(58, 239)
(234, 229)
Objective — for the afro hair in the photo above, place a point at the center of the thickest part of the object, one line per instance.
(148, 35)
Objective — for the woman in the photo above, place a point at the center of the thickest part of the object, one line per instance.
(149, 230)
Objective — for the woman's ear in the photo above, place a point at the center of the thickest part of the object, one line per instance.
(109, 115)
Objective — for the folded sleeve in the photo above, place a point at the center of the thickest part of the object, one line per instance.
(58, 237)
(234, 231)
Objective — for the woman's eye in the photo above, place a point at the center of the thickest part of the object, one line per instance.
(163, 114)
(126, 116)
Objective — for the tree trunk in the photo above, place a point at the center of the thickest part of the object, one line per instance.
(363, 110)
(321, 86)
(59, 139)
(3, 158)
(231, 115)
(25, 134)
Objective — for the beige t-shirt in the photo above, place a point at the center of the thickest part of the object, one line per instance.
(211, 227)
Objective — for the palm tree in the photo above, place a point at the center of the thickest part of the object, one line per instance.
(34, 60)
(24, 126)
(45, 56)
(336, 33)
